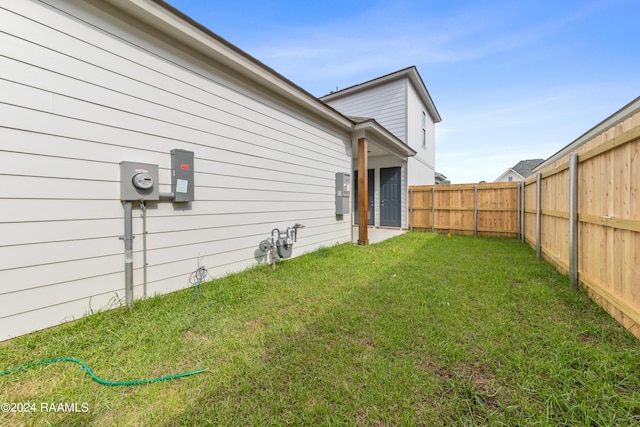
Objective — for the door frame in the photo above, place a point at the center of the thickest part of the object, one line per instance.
(385, 221)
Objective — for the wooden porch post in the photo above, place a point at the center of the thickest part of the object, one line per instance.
(363, 193)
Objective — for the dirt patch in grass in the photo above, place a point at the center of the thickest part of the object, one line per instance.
(194, 336)
(252, 325)
(432, 367)
(470, 380)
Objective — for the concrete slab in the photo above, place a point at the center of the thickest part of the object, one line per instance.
(377, 234)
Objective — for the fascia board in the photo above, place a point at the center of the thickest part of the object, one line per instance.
(411, 73)
(371, 129)
(507, 173)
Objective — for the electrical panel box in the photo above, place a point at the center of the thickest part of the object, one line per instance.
(343, 193)
(182, 175)
(138, 181)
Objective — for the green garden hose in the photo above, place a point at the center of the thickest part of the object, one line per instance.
(96, 378)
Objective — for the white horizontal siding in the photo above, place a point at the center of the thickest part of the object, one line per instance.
(422, 165)
(81, 92)
(386, 104)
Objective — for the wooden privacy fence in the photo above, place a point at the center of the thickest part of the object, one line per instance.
(581, 213)
(489, 209)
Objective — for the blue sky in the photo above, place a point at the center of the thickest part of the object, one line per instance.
(512, 80)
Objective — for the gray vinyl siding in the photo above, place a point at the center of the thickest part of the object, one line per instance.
(385, 103)
(81, 92)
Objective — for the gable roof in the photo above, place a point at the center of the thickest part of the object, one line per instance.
(410, 73)
(525, 167)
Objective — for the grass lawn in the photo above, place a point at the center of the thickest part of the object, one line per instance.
(417, 330)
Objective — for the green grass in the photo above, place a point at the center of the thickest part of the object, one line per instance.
(418, 330)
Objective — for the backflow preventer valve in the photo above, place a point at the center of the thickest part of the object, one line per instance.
(280, 244)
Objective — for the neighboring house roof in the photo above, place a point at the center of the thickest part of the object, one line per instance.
(619, 116)
(441, 178)
(410, 72)
(523, 168)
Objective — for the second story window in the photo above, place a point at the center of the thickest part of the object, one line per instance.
(424, 130)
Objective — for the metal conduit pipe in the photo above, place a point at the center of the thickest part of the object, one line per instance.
(143, 213)
(128, 251)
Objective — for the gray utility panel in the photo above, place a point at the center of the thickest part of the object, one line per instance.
(182, 175)
(343, 192)
(138, 181)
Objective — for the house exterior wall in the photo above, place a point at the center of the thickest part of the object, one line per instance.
(81, 91)
(515, 177)
(421, 167)
(386, 103)
(397, 106)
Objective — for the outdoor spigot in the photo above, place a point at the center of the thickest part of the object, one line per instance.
(295, 231)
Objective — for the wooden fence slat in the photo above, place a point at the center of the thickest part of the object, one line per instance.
(488, 209)
(608, 216)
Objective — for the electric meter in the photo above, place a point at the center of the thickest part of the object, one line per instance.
(142, 181)
(138, 181)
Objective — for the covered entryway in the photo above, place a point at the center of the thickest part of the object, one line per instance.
(390, 197)
(380, 169)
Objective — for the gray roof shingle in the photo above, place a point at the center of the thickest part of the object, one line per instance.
(525, 167)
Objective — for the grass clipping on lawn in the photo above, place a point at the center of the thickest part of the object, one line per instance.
(418, 330)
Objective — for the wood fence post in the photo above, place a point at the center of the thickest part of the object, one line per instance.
(411, 208)
(475, 210)
(573, 220)
(433, 209)
(538, 214)
(522, 214)
(518, 211)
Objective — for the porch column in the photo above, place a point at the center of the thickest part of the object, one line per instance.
(363, 193)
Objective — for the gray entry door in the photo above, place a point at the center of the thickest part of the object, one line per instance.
(354, 185)
(390, 199)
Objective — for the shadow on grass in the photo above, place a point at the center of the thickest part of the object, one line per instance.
(438, 331)
(421, 329)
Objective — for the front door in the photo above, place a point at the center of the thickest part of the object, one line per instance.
(371, 214)
(390, 198)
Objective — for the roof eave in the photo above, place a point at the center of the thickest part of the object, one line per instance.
(371, 128)
(410, 72)
(178, 26)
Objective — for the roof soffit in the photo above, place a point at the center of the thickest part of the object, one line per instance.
(378, 135)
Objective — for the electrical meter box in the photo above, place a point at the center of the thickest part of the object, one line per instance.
(343, 193)
(138, 181)
(182, 175)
